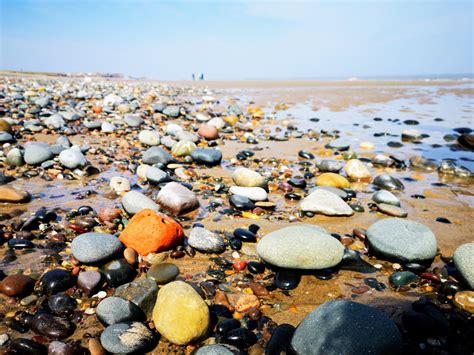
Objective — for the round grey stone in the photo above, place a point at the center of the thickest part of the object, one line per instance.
(156, 176)
(114, 310)
(134, 201)
(72, 158)
(127, 337)
(156, 155)
(206, 241)
(464, 260)
(95, 247)
(207, 156)
(384, 196)
(36, 153)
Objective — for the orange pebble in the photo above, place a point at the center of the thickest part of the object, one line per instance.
(239, 265)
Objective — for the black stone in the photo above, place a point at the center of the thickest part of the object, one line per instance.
(57, 280)
(51, 326)
(287, 279)
(241, 338)
(255, 267)
(235, 244)
(27, 347)
(20, 244)
(118, 272)
(226, 325)
(254, 228)
(305, 155)
(351, 260)
(61, 304)
(295, 182)
(220, 311)
(241, 202)
(292, 196)
(280, 340)
(245, 235)
(443, 220)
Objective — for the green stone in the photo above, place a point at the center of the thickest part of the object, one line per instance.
(163, 273)
(402, 278)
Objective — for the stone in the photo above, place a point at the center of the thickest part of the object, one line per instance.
(356, 170)
(465, 300)
(384, 196)
(177, 199)
(217, 349)
(411, 134)
(183, 148)
(156, 175)
(163, 273)
(207, 156)
(118, 272)
(5, 126)
(172, 111)
(72, 158)
(95, 347)
(150, 138)
(401, 240)
(206, 241)
(141, 292)
(168, 142)
(149, 232)
(208, 132)
(346, 327)
(339, 144)
(13, 194)
(334, 180)
(392, 210)
(16, 285)
(57, 280)
(55, 121)
(107, 127)
(89, 280)
(112, 310)
(120, 184)
(61, 304)
(464, 260)
(37, 153)
(60, 348)
(15, 157)
(287, 279)
(112, 100)
(51, 326)
(127, 337)
(387, 182)
(241, 202)
(178, 303)
(341, 193)
(173, 129)
(95, 247)
(217, 122)
(133, 120)
(466, 140)
(156, 155)
(134, 201)
(300, 247)
(253, 193)
(402, 278)
(325, 202)
(247, 178)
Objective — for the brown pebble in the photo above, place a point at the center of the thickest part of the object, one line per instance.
(221, 298)
(359, 233)
(95, 347)
(346, 241)
(57, 238)
(15, 285)
(258, 289)
(108, 214)
(360, 290)
(177, 254)
(130, 255)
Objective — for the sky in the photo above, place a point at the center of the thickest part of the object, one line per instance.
(226, 39)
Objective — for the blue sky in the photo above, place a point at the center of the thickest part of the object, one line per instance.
(238, 39)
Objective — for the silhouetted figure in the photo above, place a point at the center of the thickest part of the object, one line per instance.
(194, 77)
(201, 77)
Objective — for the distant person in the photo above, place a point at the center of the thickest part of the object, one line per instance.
(194, 77)
(201, 77)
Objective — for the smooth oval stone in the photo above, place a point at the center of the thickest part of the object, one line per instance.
(346, 327)
(217, 349)
(305, 154)
(384, 196)
(247, 178)
(245, 235)
(463, 258)
(300, 247)
(27, 347)
(36, 153)
(61, 304)
(351, 260)
(392, 210)
(402, 278)
(163, 273)
(141, 292)
(88, 280)
(95, 247)
(127, 337)
(253, 193)
(156, 176)
(51, 326)
(150, 138)
(207, 156)
(118, 272)
(15, 243)
(287, 279)
(114, 310)
(72, 158)
(339, 144)
(401, 240)
(339, 192)
(241, 202)
(16, 285)
(227, 325)
(325, 202)
(465, 300)
(241, 338)
(255, 267)
(177, 199)
(280, 341)
(60, 348)
(331, 166)
(355, 169)
(57, 280)
(134, 201)
(206, 241)
(388, 182)
(156, 155)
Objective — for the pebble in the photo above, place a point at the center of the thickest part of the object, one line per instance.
(386, 197)
(37, 153)
(177, 304)
(61, 304)
(392, 210)
(27, 346)
(163, 273)
(465, 300)
(156, 176)
(402, 278)
(118, 272)
(13, 194)
(332, 179)
(356, 170)
(241, 338)
(346, 327)
(280, 340)
(253, 193)
(156, 155)
(463, 258)
(287, 279)
(206, 241)
(134, 201)
(120, 184)
(88, 280)
(141, 292)
(72, 158)
(150, 138)
(183, 148)
(51, 326)
(388, 182)
(217, 349)
(57, 280)
(401, 240)
(16, 285)
(207, 156)
(300, 247)
(177, 199)
(339, 144)
(325, 202)
(247, 178)
(331, 166)
(241, 202)
(208, 132)
(127, 337)
(114, 310)
(95, 247)
(95, 348)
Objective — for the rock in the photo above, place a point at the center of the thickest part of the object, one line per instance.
(173, 129)
(37, 153)
(325, 202)
(287, 279)
(402, 278)
(88, 280)
(60, 348)
(183, 148)
(392, 210)
(107, 127)
(208, 132)
(334, 180)
(14, 195)
(156, 155)
(206, 241)
(300, 247)
(72, 158)
(112, 100)
(341, 193)
(339, 144)
(120, 184)
(141, 292)
(57, 280)
(118, 272)
(411, 135)
(346, 327)
(253, 193)
(356, 170)
(241, 202)
(168, 142)
(177, 304)
(163, 273)
(217, 122)
(465, 300)
(62, 305)
(332, 166)
(172, 111)
(464, 260)
(156, 176)
(5, 126)
(6, 138)
(51, 326)
(133, 120)
(127, 337)
(112, 310)
(149, 232)
(177, 199)
(95, 347)
(466, 140)
(388, 182)
(134, 201)
(418, 162)
(247, 178)
(280, 341)
(384, 196)
(55, 121)
(16, 285)
(207, 156)
(27, 346)
(401, 240)
(95, 247)
(242, 338)
(217, 349)
(150, 138)
(15, 157)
